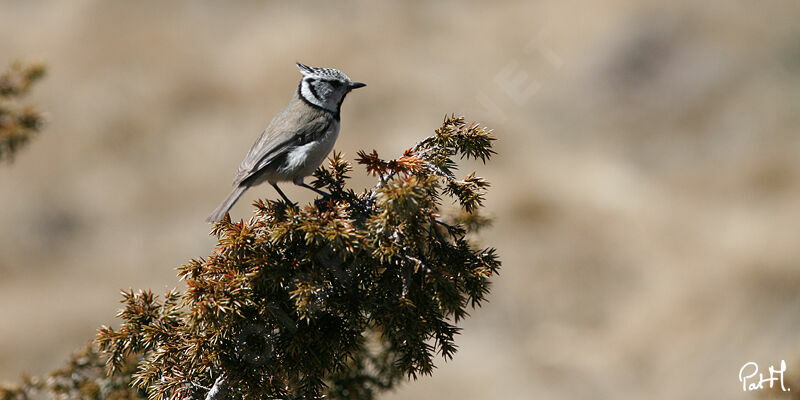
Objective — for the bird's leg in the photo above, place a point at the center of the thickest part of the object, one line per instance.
(280, 192)
(307, 186)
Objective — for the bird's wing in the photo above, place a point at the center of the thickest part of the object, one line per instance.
(290, 128)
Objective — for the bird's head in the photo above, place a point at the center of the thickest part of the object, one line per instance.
(325, 87)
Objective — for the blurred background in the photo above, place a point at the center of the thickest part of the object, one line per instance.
(645, 195)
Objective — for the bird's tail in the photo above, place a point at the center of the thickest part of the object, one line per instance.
(226, 204)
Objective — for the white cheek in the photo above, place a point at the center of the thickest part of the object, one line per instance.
(305, 91)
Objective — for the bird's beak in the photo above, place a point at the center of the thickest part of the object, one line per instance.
(356, 85)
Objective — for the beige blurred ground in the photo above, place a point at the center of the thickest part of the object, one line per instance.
(645, 194)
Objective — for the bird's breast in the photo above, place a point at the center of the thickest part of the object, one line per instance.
(304, 159)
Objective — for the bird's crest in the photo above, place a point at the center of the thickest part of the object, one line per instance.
(323, 73)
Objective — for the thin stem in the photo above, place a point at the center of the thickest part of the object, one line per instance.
(218, 390)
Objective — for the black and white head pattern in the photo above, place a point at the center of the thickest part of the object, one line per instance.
(325, 87)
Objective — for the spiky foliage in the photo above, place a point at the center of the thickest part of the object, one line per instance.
(83, 377)
(17, 123)
(341, 299)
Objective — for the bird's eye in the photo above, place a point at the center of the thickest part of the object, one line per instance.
(335, 84)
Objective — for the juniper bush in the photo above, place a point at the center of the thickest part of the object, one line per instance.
(18, 123)
(342, 298)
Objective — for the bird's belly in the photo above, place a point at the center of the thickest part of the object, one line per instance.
(303, 160)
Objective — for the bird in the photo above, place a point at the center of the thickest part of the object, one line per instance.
(298, 138)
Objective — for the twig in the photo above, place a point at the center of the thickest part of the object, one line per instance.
(219, 388)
